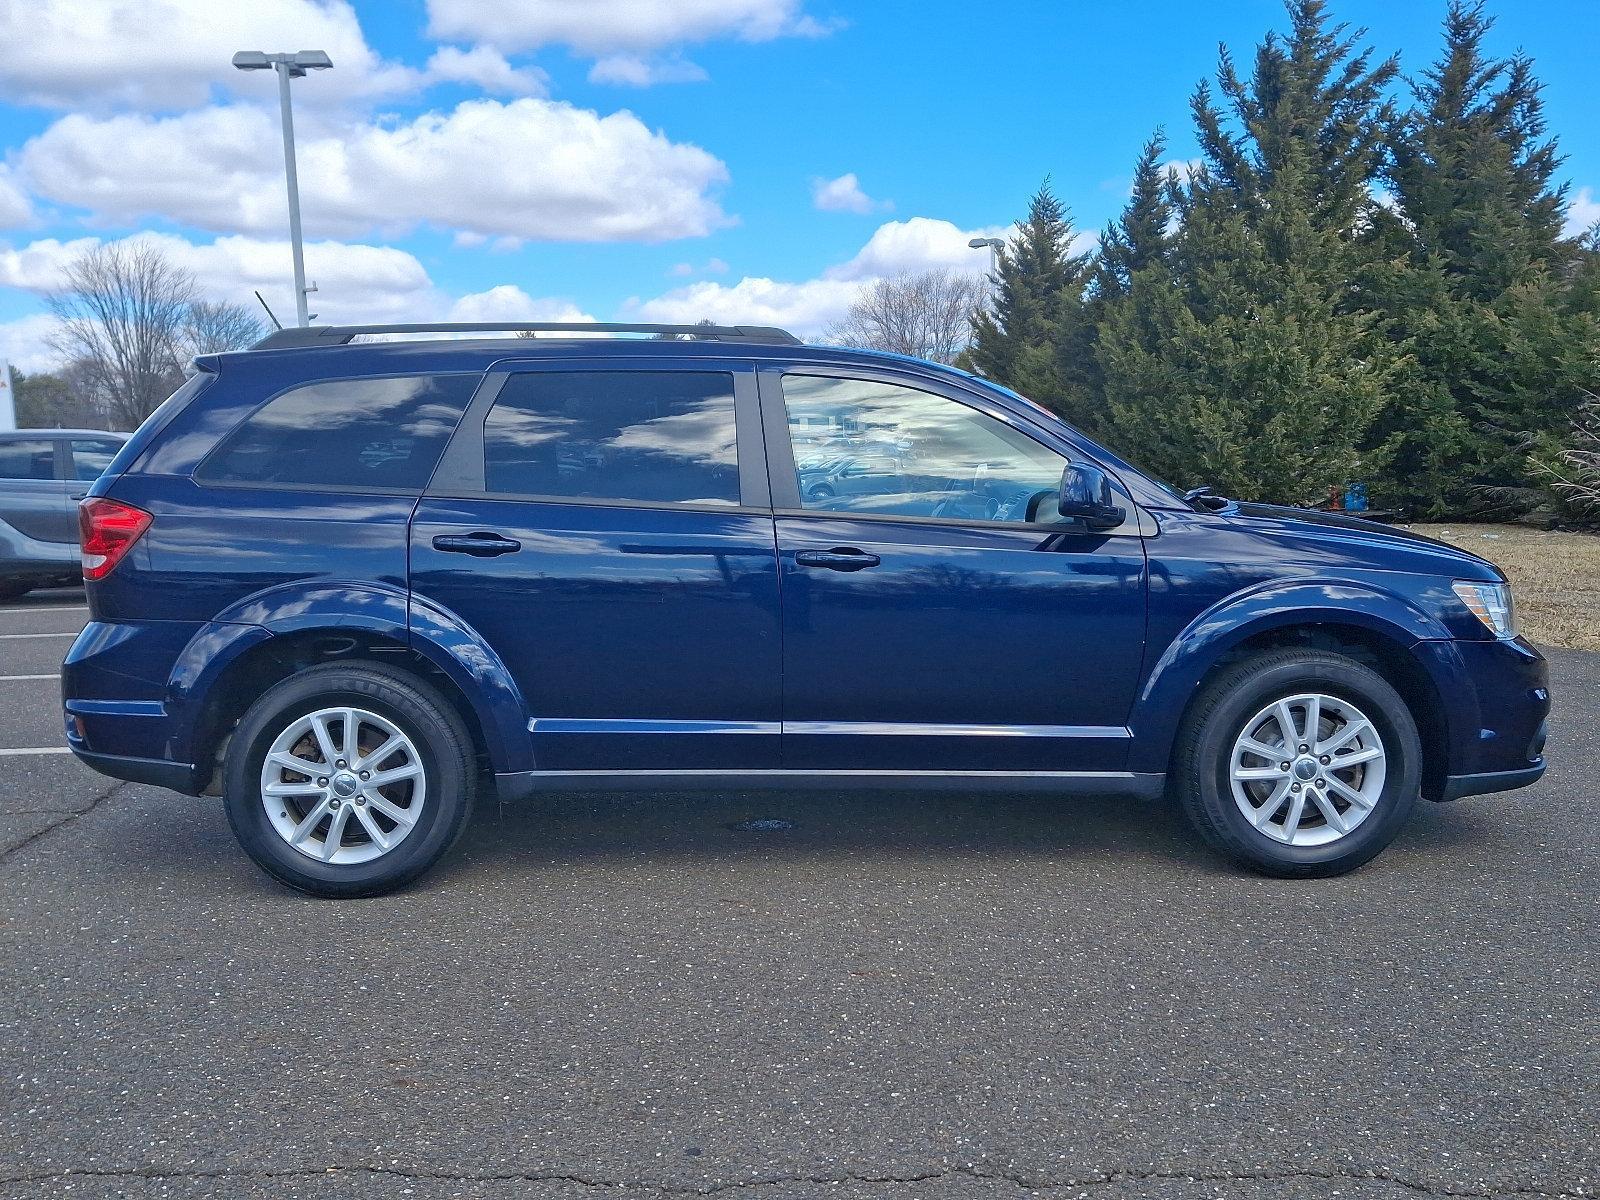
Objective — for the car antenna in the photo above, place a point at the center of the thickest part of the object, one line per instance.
(276, 324)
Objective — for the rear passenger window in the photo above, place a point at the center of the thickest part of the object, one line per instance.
(384, 433)
(665, 436)
(30, 459)
(91, 456)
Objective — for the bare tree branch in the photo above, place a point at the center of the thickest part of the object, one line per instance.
(122, 314)
(927, 315)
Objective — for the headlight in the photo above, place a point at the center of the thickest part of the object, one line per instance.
(1491, 604)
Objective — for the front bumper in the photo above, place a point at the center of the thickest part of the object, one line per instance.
(1496, 701)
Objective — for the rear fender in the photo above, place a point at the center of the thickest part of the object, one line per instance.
(369, 608)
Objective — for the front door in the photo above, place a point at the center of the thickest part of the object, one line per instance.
(604, 527)
(938, 613)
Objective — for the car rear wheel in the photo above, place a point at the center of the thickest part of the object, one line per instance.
(349, 780)
(1298, 763)
(12, 589)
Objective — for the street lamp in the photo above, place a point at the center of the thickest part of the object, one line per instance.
(995, 246)
(289, 66)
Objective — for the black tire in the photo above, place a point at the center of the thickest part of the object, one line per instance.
(433, 726)
(14, 589)
(1202, 760)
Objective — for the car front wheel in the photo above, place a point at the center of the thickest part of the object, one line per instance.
(1298, 763)
(349, 780)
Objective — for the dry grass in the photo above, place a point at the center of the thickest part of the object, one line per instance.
(1555, 577)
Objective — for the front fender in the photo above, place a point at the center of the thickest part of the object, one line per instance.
(1279, 604)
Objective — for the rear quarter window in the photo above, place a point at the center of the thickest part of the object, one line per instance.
(344, 433)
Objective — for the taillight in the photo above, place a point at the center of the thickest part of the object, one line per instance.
(107, 529)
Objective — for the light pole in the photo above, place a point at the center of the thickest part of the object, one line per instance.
(289, 66)
(995, 246)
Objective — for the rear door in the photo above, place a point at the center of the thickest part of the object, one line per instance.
(604, 525)
(34, 490)
(938, 613)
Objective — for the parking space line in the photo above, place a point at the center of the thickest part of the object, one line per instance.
(16, 637)
(13, 678)
(22, 750)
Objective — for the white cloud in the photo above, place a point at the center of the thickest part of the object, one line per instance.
(25, 342)
(599, 27)
(1582, 212)
(918, 244)
(163, 54)
(487, 68)
(809, 307)
(509, 304)
(632, 70)
(712, 266)
(844, 194)
(15, 209)
(358, 282)
(528, 168)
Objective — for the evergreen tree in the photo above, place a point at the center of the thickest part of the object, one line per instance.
(1479, 282)
(1238, 357)
(1142, 236)
(1037, 315)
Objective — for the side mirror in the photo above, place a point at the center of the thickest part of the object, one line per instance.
(1086, 496)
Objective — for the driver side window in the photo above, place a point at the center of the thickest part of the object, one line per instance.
(866, 447)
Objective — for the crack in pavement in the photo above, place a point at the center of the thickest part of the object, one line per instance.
(67, 819)
(1019, 1179)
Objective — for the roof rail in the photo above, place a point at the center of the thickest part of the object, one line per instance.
(342, 335)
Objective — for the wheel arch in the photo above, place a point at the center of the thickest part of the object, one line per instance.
(1379, 631)
(271, 636)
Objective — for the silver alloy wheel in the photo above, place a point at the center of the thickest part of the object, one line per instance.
(336, 764)
(1307, 769)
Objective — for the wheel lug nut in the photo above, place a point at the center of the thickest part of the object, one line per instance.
(322, 781)
(335, 804)
(366, 774)
(1283, 766)
(361, 799)
(1294, 787)
(1303, 749)
(340, 764)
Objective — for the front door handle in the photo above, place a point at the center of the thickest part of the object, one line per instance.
(840, 558)
(480, 545)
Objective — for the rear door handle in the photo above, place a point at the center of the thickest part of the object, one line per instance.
(480, 545)
(840, 558)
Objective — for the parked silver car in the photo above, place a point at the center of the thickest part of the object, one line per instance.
(43, 472)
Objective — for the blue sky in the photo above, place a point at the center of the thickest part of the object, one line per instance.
(661, 159)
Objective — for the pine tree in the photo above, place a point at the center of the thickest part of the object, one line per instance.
(1037, 310)
(1142, 236)
(1479, 283)
(1238, 358)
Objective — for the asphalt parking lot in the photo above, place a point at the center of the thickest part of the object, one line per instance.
(899, 997)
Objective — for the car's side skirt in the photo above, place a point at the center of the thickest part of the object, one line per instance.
(1078, 783)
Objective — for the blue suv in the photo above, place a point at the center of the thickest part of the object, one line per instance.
(349, 585)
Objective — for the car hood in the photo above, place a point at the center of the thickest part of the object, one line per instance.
(1383, 547)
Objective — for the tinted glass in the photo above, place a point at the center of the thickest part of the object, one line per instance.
(614, 435)
(385, 433)
(32, 459)
(877, 448)
(91, 456)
